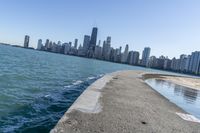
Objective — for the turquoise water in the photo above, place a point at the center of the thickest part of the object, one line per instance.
(36, 88)
(186, 98)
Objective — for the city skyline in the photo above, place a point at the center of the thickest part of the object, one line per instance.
(189, 63)
(169, 28)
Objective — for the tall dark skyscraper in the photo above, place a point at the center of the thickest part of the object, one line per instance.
(26, 41)
(75, 43)
(93, 41)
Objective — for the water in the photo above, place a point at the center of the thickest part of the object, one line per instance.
(186, 98)
(36, 88)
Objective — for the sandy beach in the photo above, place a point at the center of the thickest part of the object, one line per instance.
(125, 104)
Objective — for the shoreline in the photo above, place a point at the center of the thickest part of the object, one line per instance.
(170, 71)
(107, 106)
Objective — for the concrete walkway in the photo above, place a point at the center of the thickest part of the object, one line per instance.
(128, 105)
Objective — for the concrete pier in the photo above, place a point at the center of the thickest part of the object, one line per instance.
(122, 102)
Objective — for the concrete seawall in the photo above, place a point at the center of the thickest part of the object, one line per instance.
(122, 102)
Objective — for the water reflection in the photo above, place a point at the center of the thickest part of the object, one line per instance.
(190, 95)
(186, 98)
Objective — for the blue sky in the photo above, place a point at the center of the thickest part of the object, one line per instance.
(169, 27)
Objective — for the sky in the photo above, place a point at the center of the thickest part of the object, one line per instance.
(169, 27)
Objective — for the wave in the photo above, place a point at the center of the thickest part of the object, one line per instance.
(91, 78)
(77, 82)
(45, 109)
(67, 86)
(46, 96)
(101, 75)
(87, 80)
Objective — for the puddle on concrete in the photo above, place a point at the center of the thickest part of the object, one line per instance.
(186, 98)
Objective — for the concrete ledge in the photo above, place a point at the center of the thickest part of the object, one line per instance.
(122, 102)
(88, 101)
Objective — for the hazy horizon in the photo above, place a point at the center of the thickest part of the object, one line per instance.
(170, 27)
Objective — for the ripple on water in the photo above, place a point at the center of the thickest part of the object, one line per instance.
(42, 113)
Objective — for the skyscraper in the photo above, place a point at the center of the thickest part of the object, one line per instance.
(145, 56)
(136, 55)
(183, 61)
(86, 43)
(75, 43)
(39, 46)
(130, 57)
(46, 44)
(195, 62)
(98, 52)
(187, 63)
(26, 41)
(133, 57)
(125, 55)
(108, 40)
(106, 49)
(93, 41)
(67, 48)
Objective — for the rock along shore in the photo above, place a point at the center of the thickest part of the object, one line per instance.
(122, 102)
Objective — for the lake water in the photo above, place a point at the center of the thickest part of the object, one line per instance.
(186, 98)
(36, 88)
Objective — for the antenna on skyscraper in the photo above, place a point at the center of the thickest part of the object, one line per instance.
(95, 23)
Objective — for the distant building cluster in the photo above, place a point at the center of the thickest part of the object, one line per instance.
(92, 49)
(185, 64)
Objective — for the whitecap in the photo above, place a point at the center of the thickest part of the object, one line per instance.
(77, 82)
(91, 78)
(67, 86)
(47, 96)
(101, 75)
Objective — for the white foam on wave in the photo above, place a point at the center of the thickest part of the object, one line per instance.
(67, 86)
(101, 75)
(77, 82)
(91, 78)
(46, 96)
